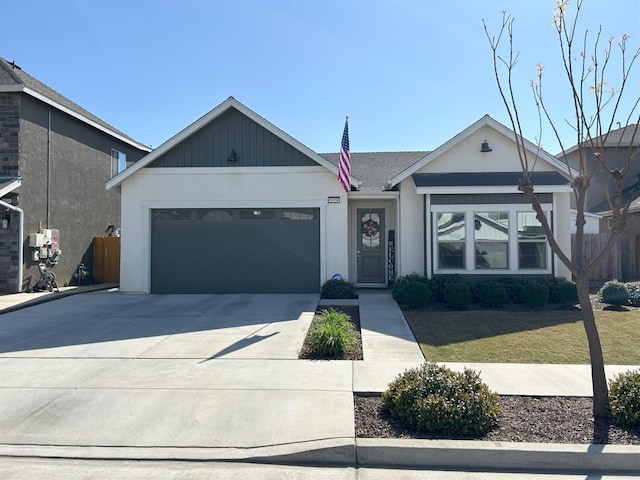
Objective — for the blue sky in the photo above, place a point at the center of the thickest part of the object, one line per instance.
(410, 74)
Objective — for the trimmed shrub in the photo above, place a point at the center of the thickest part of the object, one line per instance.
(338, 288)
(457, 295)
(634, 293)
(491, 293)
(438, 283)
(513, 287)
(333, 334)
(435, 399)
(614, 293)
(535, 294)
(400, 284)
(624, 399)
(416, 295)
(562, 291)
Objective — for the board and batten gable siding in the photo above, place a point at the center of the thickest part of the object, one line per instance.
(253, 145)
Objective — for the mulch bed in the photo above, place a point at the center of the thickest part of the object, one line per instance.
(524, 419)
(353, 354)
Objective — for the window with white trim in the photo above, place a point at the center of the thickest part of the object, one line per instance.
(451, 240)
(491, 231)
(118, 162)
(489, 239)
(532, 243)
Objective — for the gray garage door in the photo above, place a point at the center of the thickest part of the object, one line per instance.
(235, 250)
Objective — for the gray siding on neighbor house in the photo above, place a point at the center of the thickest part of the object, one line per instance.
(77, 201)
(486, 198)
(254, 146)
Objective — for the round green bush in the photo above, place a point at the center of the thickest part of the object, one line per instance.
(624, 399)
(513, 287)
(491, 294)
(562, 291)
(457, 295)
(338, 288)
(416, 295)
(332, 334)
(614, 293)
(401, 283)
(438, 283)
(634, 293)
(535, 294)
(435, 399)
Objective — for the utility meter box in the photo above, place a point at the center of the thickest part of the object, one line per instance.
(46, 234)
(35, 240)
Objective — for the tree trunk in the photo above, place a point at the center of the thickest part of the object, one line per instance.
(598, 377)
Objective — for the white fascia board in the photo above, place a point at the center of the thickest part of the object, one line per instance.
(84, 119)
(573, 211)
(10, 187)
(498, 189)
(207, 118)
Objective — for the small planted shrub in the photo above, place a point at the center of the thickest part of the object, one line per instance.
(438, 283)
(457, 295)
(416, 295)
(338, 288)
(634, 293)
(332, 334)
(624, 399)
(535, 294)
(491, 293)
(614, 293)
(401, 283)
(562, 291)
(513, 287)
(435, 399)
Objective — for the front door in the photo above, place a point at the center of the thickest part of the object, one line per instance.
(371, 246)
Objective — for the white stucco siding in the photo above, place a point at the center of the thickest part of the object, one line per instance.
(411, 232)
(274, 187)
(466, 157)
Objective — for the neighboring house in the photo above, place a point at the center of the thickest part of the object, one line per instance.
(234, 204)
(616, 148)
(55, 158)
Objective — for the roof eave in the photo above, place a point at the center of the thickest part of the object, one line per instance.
(10, 187)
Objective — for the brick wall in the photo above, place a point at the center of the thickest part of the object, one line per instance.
(9, 147)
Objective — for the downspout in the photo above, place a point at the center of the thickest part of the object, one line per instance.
(49, 169)
(20, 241)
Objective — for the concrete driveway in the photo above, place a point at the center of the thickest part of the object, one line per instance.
(205, 373)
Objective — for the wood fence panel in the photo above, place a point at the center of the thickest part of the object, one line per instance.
(621, 263)
(106, 260)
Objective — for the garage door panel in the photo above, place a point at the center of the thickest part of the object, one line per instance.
(277, 255)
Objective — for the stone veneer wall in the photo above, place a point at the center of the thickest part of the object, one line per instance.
(9, 150)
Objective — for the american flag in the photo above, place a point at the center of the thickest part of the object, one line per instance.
(344, 169)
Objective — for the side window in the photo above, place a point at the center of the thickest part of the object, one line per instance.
(451, 240)
(118, 162)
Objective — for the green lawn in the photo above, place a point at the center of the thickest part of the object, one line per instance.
(555, 336)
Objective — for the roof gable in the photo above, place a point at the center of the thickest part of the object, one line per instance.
(485, 121)
(200, 124)
(232, 140)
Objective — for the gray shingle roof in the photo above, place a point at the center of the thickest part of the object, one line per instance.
(373, 169)
(13, 75)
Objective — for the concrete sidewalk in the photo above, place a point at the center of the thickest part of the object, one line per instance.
(215, 378)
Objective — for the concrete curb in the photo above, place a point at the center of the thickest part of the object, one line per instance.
(51, 296)
(378, 453)
(498, 456)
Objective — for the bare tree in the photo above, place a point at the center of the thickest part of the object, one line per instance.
(595, 105)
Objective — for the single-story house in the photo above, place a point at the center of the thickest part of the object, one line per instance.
(233, 204)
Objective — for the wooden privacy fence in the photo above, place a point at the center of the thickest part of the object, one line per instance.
(621, 263)
(106, 259)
